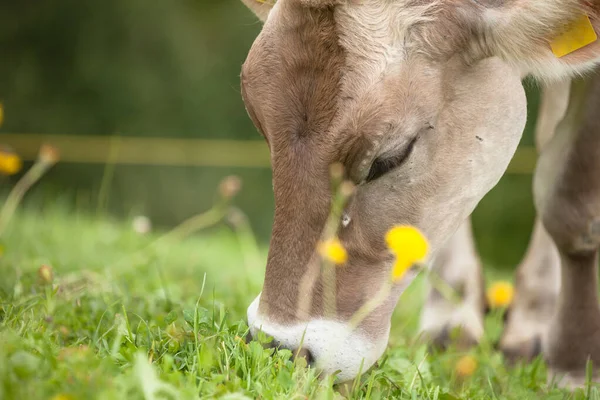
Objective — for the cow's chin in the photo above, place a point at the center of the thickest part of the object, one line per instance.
(335, 349)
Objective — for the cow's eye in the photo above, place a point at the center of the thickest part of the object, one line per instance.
(384, 164)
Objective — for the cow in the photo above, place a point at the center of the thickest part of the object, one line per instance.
(422, 103)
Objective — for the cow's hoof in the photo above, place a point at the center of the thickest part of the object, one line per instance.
(457, 337)
(526, 323)
(526, 350)
(570, 380)
(571, 347)
(446, 325)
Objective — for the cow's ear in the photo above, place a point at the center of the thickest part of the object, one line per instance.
(260, 8)
(550, 39)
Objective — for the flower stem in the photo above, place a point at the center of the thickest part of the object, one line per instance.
(245, 237)
(185, 229)
(439, 284)
(18, 192)
(370, 306)
(329, 290)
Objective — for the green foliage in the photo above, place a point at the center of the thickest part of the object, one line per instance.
(170, 325)
(133, 68)
(159, 68)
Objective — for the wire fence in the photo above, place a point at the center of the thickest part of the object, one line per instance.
(121, 150)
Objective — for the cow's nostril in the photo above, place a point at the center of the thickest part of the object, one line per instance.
(304, 353)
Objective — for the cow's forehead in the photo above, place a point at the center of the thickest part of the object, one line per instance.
(383, 28)
(379, 38)
(386, 32)
(390, 80)
(395, 30)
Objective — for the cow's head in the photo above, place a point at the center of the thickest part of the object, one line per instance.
(422, 102)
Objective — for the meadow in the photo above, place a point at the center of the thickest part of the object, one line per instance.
(97, 308)
(94, 306)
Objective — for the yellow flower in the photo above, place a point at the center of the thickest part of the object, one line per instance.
(10, 163)
(410, 247)
(46, 274)
(401, 265)
(49, 154)
(1, 114)
(466, 366)
(408, 240)
(332, 250)
(500, 294)
(230, 186)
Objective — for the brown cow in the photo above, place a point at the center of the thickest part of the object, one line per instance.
(422, 102)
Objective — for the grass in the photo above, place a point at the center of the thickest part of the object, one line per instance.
(127, 317)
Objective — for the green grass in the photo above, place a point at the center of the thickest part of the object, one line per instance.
(125, 320)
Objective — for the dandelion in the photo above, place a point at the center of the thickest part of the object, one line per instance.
(500, 294)
(241, 342)
(73, 353)
(336, 171)
(408, 240)
(10, 163)
(49, 155)
(401, 266)
(46, 274)
(332, 250)
(409, 246)
(347, 189)
(230, 186)
(175, 333)
(142, 224)
(466, 366)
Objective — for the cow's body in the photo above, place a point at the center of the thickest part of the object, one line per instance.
(563, 326)
(422, 102)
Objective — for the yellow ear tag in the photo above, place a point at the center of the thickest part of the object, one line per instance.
(578, 34)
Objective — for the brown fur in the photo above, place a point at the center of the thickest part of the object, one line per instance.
(300, 78)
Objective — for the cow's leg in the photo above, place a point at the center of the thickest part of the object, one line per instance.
(567, 192)
(459, 266)
(537, 288)
(537, 280)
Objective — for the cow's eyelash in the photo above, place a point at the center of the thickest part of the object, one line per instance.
(383, 165)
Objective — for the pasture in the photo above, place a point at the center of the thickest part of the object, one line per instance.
(90, 308)
(148, 118)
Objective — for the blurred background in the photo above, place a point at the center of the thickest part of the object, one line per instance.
(142, 99)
